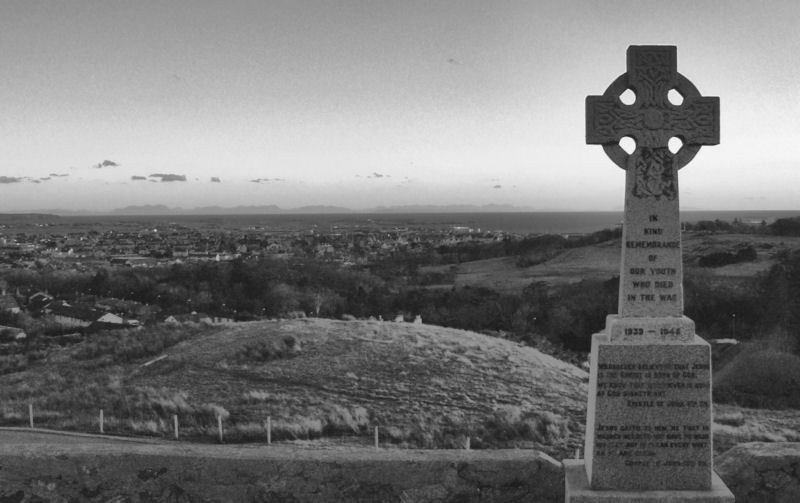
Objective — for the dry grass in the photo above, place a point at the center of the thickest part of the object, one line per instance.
(760, 376)
(734, 425)
(424, 386)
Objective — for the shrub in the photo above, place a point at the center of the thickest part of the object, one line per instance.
(340, 419)
(298, 427)
(735, 418)
(13, 363)
(266, 350)
(256, 396)
(761, 378)
(719, 259)
(786, 227)
(510, 423)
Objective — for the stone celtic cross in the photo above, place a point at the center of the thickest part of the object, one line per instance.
(651, 271)
(648, 416)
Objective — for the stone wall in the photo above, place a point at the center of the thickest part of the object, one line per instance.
(177, 472)
(55, 469)
(762, 472)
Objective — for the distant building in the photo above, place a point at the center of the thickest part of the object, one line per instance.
(39, 300)
(75, 317)
(133, 261)
(110, 318)
(194, 317)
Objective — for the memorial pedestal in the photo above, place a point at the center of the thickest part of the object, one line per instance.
(648, 421)
(579, 491)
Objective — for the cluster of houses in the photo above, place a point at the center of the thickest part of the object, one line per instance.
(137, 245)
(82, 247)
(59, 313)
(85, 315)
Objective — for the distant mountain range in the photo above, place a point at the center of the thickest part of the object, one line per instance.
(160, 209)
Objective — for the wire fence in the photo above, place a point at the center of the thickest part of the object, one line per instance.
(187, 428)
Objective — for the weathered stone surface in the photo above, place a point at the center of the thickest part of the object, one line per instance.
(648, 422)
(579, 491)
(652, 270)
(649, 413)
(167, 471)
(762, 472)
(651, 273)
(665, 329)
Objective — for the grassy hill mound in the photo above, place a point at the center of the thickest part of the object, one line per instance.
(424, 386)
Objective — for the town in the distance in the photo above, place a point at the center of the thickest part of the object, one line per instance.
(63, 271)
(68, 275)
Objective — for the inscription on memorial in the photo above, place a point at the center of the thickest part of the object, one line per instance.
(651, 413)
(652, 275)
(652, 386)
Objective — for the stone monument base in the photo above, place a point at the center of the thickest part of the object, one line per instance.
(648, 420)
(579, 491)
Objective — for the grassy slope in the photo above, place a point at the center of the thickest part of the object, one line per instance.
(425, 386)
(602, 261)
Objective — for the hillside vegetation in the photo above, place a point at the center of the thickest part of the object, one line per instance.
(424, 386)
(329, 381)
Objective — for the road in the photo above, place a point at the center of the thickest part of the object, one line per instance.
(26, 436)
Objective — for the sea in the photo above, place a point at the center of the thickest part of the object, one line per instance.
(522, 223)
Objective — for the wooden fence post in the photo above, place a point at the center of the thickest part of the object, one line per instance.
(102, 427)
(175, 425)
(376, 437)
(269, 430)
(30, 414)
(219, 427)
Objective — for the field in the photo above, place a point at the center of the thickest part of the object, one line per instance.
(602, 261)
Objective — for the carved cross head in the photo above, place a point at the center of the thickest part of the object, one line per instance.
(653, 118)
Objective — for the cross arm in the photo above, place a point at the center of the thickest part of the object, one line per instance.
(607, 121)
(696, 121)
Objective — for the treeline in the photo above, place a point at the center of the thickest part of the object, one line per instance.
(765, 306)
(719, 259)
(569, 314)
(469, 251)
(780, 227)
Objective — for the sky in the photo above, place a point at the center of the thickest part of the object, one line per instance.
(106, 104)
